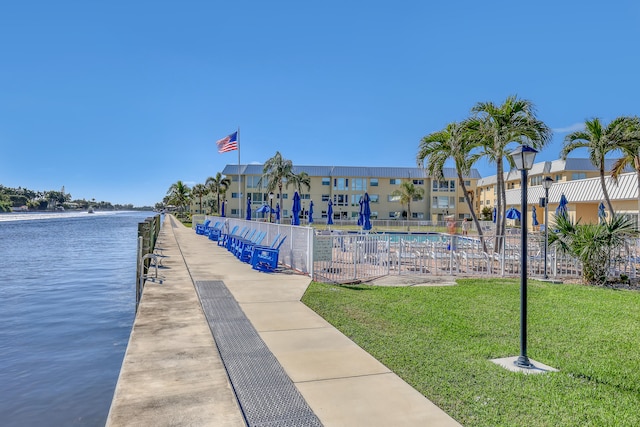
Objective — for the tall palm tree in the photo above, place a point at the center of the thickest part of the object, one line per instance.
(451, 143)
(495, 127)
(299, 180)
(217, 186)
(179, 194)
(599, 141)
(630, 147)
(408, 193)
(198, 191)
(276, 170)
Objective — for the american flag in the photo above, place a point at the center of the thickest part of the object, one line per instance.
(228, 143)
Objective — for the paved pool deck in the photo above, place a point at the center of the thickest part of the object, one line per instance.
(173, 373)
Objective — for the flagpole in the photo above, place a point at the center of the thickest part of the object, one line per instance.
(239, 187)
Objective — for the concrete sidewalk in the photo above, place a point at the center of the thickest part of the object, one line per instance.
(172, 373)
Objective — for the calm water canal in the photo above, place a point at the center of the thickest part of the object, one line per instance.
(67, 303)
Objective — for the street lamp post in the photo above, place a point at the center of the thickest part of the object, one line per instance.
(270, 205)
(546, 184)
(523, 157)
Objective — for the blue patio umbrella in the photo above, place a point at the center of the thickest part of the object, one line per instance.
(534, 216)
(263, 209)
(360, 214)
(311, 212)
(277, 210)
(495, 211)
(295, 209)
(513, 213)
(224, 205)
(330, 213)
(602, 214)
(561, 210)
(248, 218)
(366, 213)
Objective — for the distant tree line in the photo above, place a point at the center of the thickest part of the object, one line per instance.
(23, 198)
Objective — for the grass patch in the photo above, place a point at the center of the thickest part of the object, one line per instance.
(440, 340)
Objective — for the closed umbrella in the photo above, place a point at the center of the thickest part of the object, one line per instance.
(295, 209)
(513, 213)
(248, 218)
(534, 216)
(278, 212)
(495, 210)
(366, 213)
(602, 214)
(561, 210)
(224, 205)
(330, 213)
(311, 212)
(360, 214)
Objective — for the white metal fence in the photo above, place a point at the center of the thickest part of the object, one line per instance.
(342, 257)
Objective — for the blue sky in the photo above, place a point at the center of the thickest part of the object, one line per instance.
(118, 100)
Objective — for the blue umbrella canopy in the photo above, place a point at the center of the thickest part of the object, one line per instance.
(295, 209)
(513, 213)
(602, 214)
(277, 212)
(311, 212)
(263, 209)
(360, 214)
(495, 210)
(248, 218)
(366, 212)
(562, 206)
(330, 213)
(534, 216)
(224, 205)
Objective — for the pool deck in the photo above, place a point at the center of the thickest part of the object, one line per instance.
(173, 373)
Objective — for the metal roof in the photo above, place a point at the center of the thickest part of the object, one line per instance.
(579, 191)
(351, 171)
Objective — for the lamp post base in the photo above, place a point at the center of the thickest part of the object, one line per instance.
(523, 362)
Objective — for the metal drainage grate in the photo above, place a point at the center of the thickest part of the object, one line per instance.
(266, 394)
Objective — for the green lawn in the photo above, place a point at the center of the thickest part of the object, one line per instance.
(440, 340)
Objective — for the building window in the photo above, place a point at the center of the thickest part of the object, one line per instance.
(391, 198)
(394, 214)
(340, 183)
(578, 175)
(373, 182)
(254, 181)
(374, 215)
(305, 196)
(326, 197)
(418, 182)
(234, 212)
(461, 200)
(444, 186)
(467, 183)
(326, 181)
(417, 215)
(395, 181)
(256, 197)
(359, 184)
(558, 178)
(234, 195)
(374, 198)
(536, 180)
(340, 199)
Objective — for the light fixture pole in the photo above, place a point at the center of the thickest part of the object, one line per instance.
(270, 206)
(546, 184)
(523, 157)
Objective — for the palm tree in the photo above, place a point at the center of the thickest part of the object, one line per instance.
(217, 186)
(593, 244)
(451, 143)
(599, 141)
(198, 191)
(494, 128)
(179, 194)
(630, 147)
(299, 180)
(276, 170)
(408, 193)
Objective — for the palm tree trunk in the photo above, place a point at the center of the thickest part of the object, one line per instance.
(473, 212)
(604, 188)
(500, 209)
